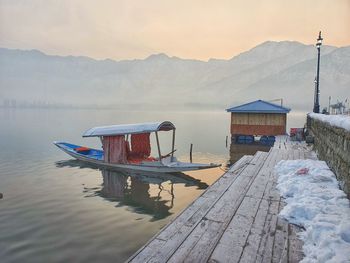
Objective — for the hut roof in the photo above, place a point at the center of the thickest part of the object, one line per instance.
(259, 106)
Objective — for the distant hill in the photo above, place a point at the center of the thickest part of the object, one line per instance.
(270, 70)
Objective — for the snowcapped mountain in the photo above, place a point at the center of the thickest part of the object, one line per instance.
(270, 70)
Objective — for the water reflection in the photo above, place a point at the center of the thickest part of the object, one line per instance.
(143, 193)
(237, 151)
(43, 217)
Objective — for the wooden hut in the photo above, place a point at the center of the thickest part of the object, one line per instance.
(258, 118)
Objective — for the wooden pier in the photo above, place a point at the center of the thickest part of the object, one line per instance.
(235, 219)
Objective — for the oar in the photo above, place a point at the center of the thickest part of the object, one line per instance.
(164, 156)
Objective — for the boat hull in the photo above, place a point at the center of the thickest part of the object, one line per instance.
(158, 167)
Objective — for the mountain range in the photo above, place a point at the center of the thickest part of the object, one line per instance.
(268, 71)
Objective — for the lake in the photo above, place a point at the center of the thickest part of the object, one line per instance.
(56, 209)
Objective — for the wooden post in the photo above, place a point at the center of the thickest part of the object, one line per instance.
(173, 146)
(191, 152)
(160, 155)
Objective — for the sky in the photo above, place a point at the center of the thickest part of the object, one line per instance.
(196, 29)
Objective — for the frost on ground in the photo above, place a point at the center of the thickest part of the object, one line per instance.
(315, 202)
(341, 121)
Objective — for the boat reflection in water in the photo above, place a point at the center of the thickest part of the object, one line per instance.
(151, 193)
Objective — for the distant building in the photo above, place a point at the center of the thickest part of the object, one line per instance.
(258, 118)
(338, 108)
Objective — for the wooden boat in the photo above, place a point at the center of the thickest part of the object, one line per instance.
(118, 154)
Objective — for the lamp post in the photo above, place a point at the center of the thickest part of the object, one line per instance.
(317, 81)
(315, 94)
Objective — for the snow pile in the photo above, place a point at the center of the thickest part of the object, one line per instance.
(315, 202)
(341, 121)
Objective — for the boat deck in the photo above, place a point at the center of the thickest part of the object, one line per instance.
(235, 219)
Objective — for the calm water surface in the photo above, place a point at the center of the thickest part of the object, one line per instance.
(56, 209)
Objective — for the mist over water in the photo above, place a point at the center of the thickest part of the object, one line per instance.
(56, 209)
(269, 71)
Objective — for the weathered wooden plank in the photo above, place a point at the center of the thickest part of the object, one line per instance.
(266, 245)
(192, 214)
(295, 245)
(235, 219)
(227, 179)
(258, 187)
(221, 212)
(271, 193)
(236, 192)
(251, 246)
(176, 233)
(230, 250)
(280, 244)
(234, 240)
(289, 154)
(196, 210)
(196, 247)
(147, 251)
(224, 218)
(187, 217)
(230, 201)
(296, 154)
(234, 195)
(240, 163)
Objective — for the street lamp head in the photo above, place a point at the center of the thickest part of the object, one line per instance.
(319, 40)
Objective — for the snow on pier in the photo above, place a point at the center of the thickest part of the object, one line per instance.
(236, 219)
(315, 202)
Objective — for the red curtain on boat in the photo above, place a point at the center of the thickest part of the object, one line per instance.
(140, 145)
(114, 148)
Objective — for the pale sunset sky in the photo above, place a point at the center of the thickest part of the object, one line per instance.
(198, 29)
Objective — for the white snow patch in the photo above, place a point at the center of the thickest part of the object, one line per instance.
(315, 202)
(341, 121)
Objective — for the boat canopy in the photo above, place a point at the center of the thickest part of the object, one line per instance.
(129, 129)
